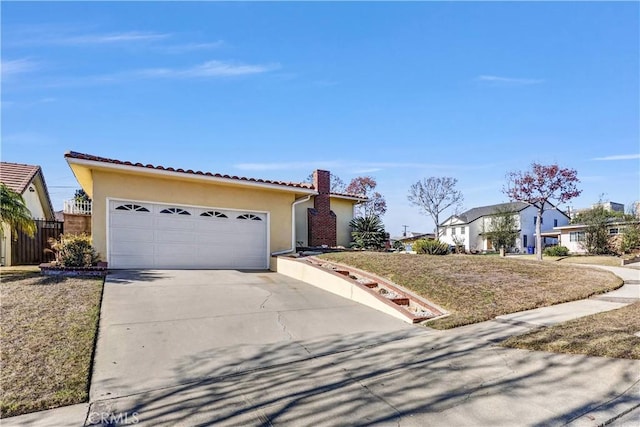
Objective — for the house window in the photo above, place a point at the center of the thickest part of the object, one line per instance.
(535, 220)
(174, 211)
(461, 230)
(453, 231)
(524, 240)
(614, 231)
(132, 207)
(214, 214)
(576, 236)
(252, 217)
(555, 222)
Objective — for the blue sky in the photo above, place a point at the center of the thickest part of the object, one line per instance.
(398, 91)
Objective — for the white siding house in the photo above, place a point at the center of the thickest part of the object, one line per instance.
(468, 228)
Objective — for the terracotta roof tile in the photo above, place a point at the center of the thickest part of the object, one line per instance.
(81, 156)
(17, 176)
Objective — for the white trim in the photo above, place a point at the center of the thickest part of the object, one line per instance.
(293, 226)
(119, 199)
(354, 198)
(190, 176)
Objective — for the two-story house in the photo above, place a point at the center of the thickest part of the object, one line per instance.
(469, 228)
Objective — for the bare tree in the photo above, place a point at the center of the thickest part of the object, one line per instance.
(434, 195)
(540, 186)
(364, 186)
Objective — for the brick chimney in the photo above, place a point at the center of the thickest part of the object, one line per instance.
(320, 219)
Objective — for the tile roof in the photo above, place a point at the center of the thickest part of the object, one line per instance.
(475, 213)
(17, 176)
(81, 156)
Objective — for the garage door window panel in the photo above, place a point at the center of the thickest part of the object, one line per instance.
(132, 207)
(213, 214)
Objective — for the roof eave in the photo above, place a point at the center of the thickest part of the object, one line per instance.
(93, 164)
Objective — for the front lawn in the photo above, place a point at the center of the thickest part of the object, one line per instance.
(608, 334)
(48, 326)
(477, 288)
(606, 260)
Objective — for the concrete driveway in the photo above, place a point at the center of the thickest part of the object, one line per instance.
(238, 348)
(163, 328)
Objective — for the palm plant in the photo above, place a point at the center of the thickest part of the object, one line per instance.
(15, 213)
(368, 232)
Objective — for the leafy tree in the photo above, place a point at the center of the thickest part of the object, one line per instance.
(434, 195)
(502, 229)
(540, 186)
(368, 232)
(14, 212)
(337, 185)
(364, 186)
(597, 240)
(81, 196)
(631, 238)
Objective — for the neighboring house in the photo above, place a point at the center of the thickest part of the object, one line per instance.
(147, 216)
(411, 237)
(28, 181)
(573, 236)
(469, 227)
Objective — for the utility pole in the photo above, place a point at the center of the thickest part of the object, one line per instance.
(404, 233)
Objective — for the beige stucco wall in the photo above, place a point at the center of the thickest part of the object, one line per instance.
(33, 203)
(344, 212)
(335, 284)
(5, 244)
(302, 231)
(341, 207)
(188, 192)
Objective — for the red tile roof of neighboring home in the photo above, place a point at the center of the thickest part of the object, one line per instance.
(17, 176)
(81, 156)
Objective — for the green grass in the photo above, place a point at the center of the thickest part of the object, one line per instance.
(608, 334)
(48, 330)
(475, 288)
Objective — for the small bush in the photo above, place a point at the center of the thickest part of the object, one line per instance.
(74, 250)
(430, 247)
(556, 251)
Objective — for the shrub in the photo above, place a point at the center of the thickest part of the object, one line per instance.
(430, 247)
(630, 239)
(368, 232)
(556, 251)
(398, 246)
(74, 250)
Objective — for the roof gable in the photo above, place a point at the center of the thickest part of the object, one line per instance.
(18, 177)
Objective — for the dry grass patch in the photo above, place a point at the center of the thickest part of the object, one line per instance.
(610, 261)
(608, 334)
(478, 288)
(47, 336)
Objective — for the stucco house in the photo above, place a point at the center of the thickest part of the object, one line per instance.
(469, 227)
(147, 216)
(573, 236)
(28, 181)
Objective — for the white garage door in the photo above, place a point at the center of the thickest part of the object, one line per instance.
(151, 235)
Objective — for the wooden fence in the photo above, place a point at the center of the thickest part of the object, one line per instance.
(27, 250)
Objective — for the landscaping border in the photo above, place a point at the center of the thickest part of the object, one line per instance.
(48, 269)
